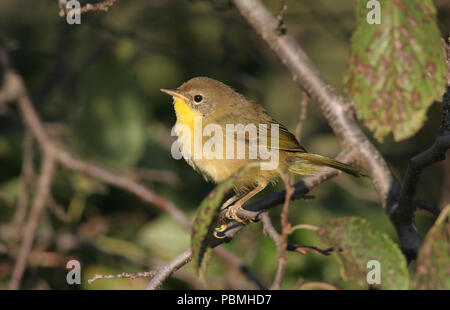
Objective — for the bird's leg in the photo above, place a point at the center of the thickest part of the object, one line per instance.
(232, 211)
(222, 224)
(230, 200)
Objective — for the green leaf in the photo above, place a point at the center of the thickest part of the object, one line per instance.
(205, 220)
(356, 243)
(397, 68)
(433, 262)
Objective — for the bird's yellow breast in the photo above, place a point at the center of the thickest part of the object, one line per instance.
(185, 115)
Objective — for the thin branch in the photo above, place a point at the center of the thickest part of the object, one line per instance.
(303, 249)
(269, 230)
(285, 230)
(281, 246)
(235, 261)
(101, 6)
(163, 272)
(302, 116)
(143, 274)
(281, 27)
(427, 206)
(303, 226)
(57, 210)
(26, 178)
(38, 205)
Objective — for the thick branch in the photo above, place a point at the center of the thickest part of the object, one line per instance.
(404, 213)
(418, 163)
(334, 107)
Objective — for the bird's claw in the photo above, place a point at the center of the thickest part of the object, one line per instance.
(231, 214)
(219, 229)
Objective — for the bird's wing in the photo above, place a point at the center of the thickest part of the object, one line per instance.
(286, 140)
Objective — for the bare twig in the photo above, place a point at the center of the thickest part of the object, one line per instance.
(302, 116)
(281, 249)
(272, 233)
(303, 226)
(269, 230)
(26, 178)
(101, 6)
(281, 27)
(427, 206)
(285, 230)
(166, 270)
(235, 261)
(143, 274)
(303, 249)
(39, 201)
(57, 210)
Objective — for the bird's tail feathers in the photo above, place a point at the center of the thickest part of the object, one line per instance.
(307, 164)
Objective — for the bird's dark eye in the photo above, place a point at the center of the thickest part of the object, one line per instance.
(198, 98)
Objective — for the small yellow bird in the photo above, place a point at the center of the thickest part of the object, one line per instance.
(204, 106)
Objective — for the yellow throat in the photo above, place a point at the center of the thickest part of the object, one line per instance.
(185, 115)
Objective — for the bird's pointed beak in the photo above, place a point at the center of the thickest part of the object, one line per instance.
(176, 93)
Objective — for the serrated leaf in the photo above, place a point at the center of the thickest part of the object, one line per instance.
(206, 218)
(433, 261)
(356, 243)
(397, 68)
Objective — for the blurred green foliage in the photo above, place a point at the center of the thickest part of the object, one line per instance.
(100, 82)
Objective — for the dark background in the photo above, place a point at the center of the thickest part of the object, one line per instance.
(96, 86)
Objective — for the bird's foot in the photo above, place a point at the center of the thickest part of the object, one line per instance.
(232, 211)
(220, 229)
